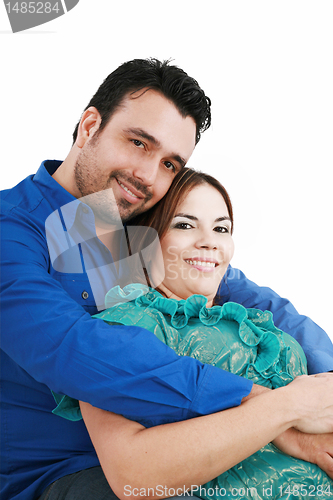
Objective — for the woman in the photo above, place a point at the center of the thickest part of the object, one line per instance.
(195, 223)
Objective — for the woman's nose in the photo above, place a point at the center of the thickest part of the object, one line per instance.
(207, 241)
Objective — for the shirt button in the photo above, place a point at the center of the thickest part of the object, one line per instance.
(84, 295)
(85, 209)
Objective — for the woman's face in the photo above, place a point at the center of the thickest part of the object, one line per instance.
(198, 246)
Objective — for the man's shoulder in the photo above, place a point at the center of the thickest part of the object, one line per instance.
(24, 197)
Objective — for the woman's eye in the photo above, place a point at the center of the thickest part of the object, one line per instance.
(138, 143)
(170, 166)
(221, 229)
(182, 225)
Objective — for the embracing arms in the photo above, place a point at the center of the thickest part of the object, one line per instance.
(193, 452)
(47, 332)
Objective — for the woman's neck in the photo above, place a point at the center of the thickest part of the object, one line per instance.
(171, 295)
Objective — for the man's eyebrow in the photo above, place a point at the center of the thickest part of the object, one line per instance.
(144, 135)
(139, 132)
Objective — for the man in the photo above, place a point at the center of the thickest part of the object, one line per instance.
(135, 134)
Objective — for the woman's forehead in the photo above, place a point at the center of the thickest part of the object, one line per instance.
(202, 199)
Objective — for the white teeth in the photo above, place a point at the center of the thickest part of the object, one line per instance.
(127, 190)
(200, 263)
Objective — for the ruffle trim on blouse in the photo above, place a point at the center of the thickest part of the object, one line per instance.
(119, 295)
(256, 328)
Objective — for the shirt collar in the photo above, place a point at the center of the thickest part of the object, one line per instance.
(56, 195)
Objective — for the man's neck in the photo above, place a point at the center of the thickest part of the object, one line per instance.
(64, 175)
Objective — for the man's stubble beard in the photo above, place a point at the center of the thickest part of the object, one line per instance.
(88, 181)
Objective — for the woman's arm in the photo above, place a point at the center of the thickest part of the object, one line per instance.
(192, 452)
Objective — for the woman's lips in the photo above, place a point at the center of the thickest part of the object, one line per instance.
(206, 265)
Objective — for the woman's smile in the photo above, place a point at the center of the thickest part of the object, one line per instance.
(202, 264)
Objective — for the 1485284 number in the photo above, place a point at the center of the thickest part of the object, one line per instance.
(33, 7)
(306, 491)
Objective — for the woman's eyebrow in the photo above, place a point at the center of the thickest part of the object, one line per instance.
(226, 217)
(191, 217)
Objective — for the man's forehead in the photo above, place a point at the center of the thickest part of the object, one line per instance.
(145, 97)
(157, 119)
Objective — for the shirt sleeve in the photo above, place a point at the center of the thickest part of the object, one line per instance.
(316, 344)
(122, 369)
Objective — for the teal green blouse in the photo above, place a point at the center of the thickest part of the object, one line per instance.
(239, 340)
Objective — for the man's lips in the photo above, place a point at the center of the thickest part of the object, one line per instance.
(131, 192)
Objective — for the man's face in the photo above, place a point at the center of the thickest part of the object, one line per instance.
(138, 153)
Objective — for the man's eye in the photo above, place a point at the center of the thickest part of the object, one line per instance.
(170, 166)
(138, 143)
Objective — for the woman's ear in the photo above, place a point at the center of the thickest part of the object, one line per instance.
(88, 126)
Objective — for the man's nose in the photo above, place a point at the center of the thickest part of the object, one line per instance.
(147, 171)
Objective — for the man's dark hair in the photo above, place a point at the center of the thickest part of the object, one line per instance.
(171, 81)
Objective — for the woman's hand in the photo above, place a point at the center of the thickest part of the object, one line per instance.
(314, 448)
(316, 394)
(312, 396)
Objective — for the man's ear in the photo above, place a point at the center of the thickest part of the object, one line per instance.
(89, 124)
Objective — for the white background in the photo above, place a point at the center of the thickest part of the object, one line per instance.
(268, 68)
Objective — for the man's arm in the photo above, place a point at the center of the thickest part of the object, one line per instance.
(315, 342)
(122, 369)
(197, 450)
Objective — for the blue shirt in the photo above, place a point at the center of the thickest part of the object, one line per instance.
(50, 341)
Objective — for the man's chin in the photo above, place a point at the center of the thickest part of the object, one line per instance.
(127, 217)
(130, 212)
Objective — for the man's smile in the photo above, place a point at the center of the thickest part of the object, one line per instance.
(135, 195)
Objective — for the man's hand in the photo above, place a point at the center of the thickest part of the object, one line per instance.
(314, 448)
